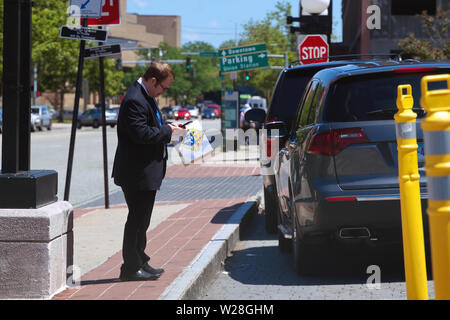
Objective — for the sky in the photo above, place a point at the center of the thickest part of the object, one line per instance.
(211, 21)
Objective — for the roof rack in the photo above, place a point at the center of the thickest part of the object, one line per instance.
(396, 55)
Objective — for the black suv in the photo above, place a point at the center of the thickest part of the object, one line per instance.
(288, 91)
(337, 175)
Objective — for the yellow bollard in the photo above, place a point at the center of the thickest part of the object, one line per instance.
(411, 210)
(436, 129)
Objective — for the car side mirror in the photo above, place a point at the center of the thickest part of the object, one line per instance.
(255, 115)
(276, 129)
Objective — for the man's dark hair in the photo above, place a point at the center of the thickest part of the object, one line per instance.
(158, 70)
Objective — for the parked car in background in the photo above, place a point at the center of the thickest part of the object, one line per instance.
(98, 105)
(208, 114)
(93, 118)
(175, 111)
(114, 109)
(337, 176)
(182, 113)
(193, 110)
(35, 121)
(67, 115)
(167, 113)
(44, 116)
(285, 101)
(215, 108)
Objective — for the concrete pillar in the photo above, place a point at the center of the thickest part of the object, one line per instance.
(36, 248)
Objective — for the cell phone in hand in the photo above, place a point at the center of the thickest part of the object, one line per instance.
(185, 124)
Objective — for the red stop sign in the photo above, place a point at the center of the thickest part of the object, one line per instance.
(110, 14)
(312, 47)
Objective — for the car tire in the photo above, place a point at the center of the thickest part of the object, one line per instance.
(270, 212)
(79, 125)
(95, 124)
(49, 127)
(113, 125)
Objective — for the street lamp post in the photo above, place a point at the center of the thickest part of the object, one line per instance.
(36, 238)
(20, 187)
(315, 18)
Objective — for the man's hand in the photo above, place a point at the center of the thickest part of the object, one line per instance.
(176, 127)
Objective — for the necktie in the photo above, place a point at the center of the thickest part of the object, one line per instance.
(159, 117)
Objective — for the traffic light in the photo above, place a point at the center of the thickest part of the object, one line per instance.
(188, 64)
(247, 76)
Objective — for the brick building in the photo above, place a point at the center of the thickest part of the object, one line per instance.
(398, 18)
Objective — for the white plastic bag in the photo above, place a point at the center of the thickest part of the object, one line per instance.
(194, 144)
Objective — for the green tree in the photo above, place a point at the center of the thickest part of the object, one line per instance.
(205, 73)
(272, 31)
(113, 78)
(188, 86)
(56, 58)
(437, 44)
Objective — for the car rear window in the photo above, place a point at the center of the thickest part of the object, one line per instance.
(371, 97)
(287, 96)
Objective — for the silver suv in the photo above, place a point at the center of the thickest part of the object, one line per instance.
(42, 118)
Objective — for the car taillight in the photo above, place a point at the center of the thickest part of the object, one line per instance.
(414, 69)
(341, 199)
(269, 147)
(332, 142)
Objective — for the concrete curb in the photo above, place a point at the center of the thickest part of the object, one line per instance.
(210, 260)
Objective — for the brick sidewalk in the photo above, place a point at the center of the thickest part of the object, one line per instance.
(172, 245)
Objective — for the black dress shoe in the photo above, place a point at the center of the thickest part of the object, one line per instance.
(147, 268)
(140, 275)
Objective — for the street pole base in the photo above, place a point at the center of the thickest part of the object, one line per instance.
(28, 189)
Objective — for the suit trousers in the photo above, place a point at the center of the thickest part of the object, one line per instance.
(140, 207)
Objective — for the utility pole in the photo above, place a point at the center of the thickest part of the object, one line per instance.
(34, 84)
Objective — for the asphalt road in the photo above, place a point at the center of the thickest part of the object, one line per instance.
(50, 150)
(257, 270)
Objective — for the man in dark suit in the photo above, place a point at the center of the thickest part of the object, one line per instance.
(140, 164)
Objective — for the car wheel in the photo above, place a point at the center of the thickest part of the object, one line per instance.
(95, 124)
(113, 125)
(270, 212)
(49, 127)
(33, 128)
(79, 125)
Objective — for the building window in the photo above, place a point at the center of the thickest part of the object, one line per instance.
(413, 7)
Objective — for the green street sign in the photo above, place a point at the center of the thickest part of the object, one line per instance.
(244, 62)
(242, 50)
(208, 54)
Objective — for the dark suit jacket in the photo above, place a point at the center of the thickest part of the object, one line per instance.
(139, 163)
